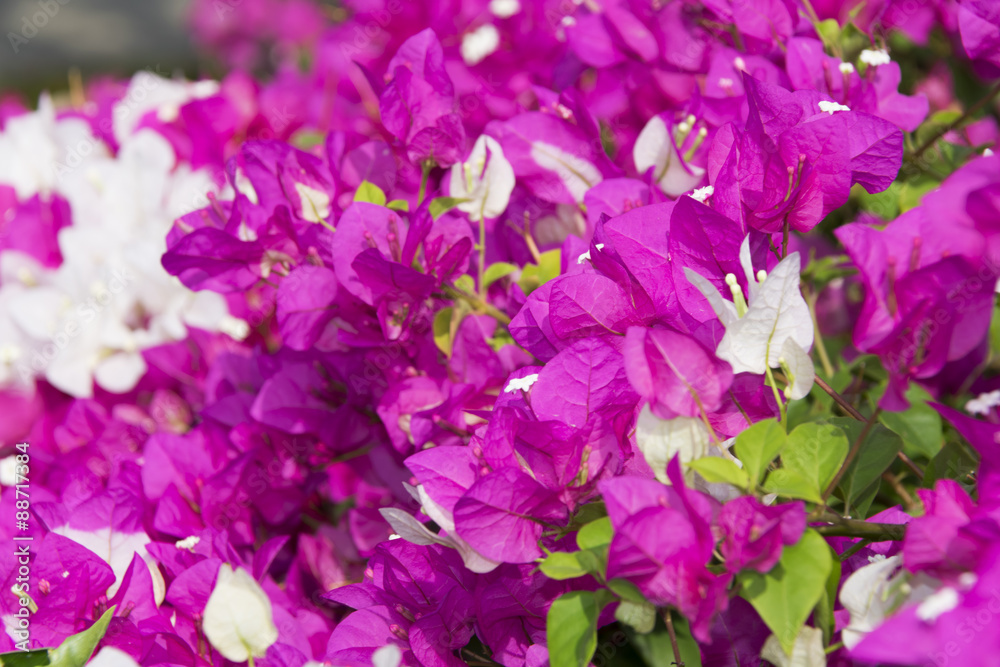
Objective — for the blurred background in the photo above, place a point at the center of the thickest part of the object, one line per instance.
(114, 37)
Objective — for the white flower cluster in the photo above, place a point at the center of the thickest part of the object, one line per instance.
(89, 319)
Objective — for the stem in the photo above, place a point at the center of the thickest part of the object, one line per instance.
(853, 550)
(994, 91)
(784, 237)
(777, 396)
(839, 526)
(851, 455)
(893, 481)
(824, 358)
(478, 303)
(839, 400)
(425, 172)
(669, 618)
(482, 255)
(908, 462)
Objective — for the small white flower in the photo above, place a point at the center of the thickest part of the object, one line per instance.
(238, 620)
(938, 603)
(832, 107)
(521, 384)
(388, 656)
(701, 194)
(725, 82)
(660, 439)
(188, 543)
(987, 152)
(504, 9)
(479, 43)
(982, 404)
(8, 477)
(485, 180)
(314, 205)
(846, 68)
(874, 58)
(586, 256)
(109, 656)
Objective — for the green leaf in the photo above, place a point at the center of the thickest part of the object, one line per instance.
(36, 658)
(399, 205)
(829, 32)
(442, 330)
(823, 618)
(876, 454)
(442, 205)
(791, 484)
(501, 339)
(757, 446)
(919, 426)
(534, 276)
(815, 452)
(954, 461)
(307, 139)
(466, 283)
(626, 590)
(640, 616)
(371, 193)
(716, 469)
(495, 272)
(655, 648)
(561, 565)
(785, 596)
(595, 534)
(77, 649)
(571, 627)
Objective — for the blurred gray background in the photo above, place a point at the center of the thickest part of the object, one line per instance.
(97, 36)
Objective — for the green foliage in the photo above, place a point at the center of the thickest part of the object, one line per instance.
(571, 627)
(758, 445)
(717, 469)
(371, 193)
(495, 272)
(442, 205)
(810, 460)
(534, 276)
(785, 596)
(862, 479)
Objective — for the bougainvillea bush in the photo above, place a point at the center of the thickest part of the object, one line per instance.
(519, 332)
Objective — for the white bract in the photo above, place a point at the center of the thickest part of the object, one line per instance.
(832, 107)
(238, 620)
(660, 439)
(875, 57)
(771, 329)
(109, 656)
(89, 319)
(807, 652)
(485, 180)
(479, 43)
(870, 594)
(657, 147)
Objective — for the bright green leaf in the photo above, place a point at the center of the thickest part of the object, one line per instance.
(371, 193)
(495, 272)
(562, 565)
(534, 276)
(571, 627)
(307, 139)
(595, 534)
(399, 205)
(785, 596)
(757, 446)
(442, 205)
(815, 452)
(640, 616)
(791, 484)
(442, 330)
(466, 283)
(626, 590)
(716, 469)
(76, 650)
